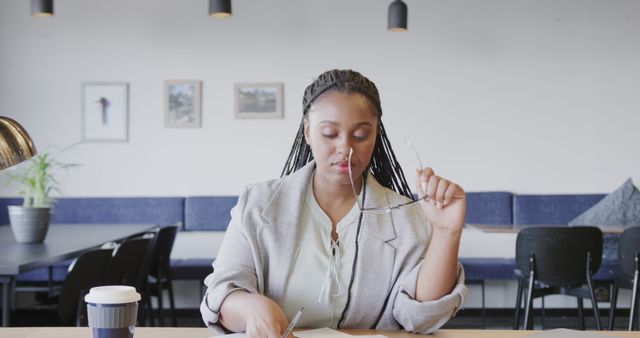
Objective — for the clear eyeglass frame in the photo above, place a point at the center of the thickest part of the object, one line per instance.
(390, 208)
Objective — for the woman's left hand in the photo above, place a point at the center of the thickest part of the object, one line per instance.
(446, 204)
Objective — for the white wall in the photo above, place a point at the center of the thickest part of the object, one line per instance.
(524, 96)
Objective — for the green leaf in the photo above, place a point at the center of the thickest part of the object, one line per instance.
(36, 179)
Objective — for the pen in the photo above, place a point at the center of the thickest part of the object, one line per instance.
(293, 323)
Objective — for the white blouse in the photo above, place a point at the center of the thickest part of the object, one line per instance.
(321, 269)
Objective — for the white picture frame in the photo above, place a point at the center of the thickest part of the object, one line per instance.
(258, 100)
(105, 111)
(183, 104)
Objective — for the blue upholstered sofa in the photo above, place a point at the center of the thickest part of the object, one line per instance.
(211, 213)
(511, 211)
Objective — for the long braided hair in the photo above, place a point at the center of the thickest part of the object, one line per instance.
(383, 164)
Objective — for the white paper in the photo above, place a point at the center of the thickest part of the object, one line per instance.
(324, 332)
(566, 333)
(231, 335)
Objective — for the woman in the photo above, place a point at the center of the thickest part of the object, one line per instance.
(321, 237)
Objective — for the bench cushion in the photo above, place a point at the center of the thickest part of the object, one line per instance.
(551, 209)
(58, 273)
(489, 208)
(488, 268)
(191, 268)
(607, 271)
(153, 210)
(476, 269)
(4, 212)
(210, 213)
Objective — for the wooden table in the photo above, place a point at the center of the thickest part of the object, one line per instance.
(170, 332)
(63, 242)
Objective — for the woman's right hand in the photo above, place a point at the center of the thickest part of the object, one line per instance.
(265, 319)
(258, 315)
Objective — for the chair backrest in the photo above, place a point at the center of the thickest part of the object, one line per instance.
(628, 249)
(161, 257)
(89, 270)
(560, 253)
(130, 264)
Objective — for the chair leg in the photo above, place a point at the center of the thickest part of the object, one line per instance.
(160, 302)
(516, 320)
(544, 325)
(634, 302)
(528, 313)
(50, 280)
(81, 310)
(12, 297)
(594, 303)
(152, 320)
(637, 320)
(580, 313)
(637, 317)
(6, 290)
(141, 317)
(143, 306)
(172, 303)
(483, 303)
(614, 303)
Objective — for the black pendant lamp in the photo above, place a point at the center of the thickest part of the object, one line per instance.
(220, 8)
(397, 16)
(41, 8)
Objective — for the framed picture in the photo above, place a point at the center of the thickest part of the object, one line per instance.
(105, 111)
(182, 103)
(258, 100)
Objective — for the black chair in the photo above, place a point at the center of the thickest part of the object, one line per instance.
(130, 266)
(160, 271)
(557, 260)
(627, 276)
(87, 271)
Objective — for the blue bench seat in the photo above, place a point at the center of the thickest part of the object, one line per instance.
(488, 268)
(191, 268)
(495, 268)
(58, 274)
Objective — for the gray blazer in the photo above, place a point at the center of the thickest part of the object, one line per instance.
(257, 250)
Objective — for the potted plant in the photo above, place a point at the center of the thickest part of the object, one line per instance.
(30, 221)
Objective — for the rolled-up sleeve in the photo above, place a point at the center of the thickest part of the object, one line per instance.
(428, 316)
(234, 270)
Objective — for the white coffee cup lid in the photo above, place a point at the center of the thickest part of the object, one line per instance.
(112, 294)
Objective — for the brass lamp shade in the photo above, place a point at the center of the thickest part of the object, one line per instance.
(15, 144)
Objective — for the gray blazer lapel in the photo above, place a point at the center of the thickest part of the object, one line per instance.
(376, 260)
(282, 216)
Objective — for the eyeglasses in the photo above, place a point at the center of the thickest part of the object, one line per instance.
(387, 209)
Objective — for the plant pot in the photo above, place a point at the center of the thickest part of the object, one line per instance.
(29, 225)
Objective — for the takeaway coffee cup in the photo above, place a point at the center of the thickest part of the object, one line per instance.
(112, 311)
